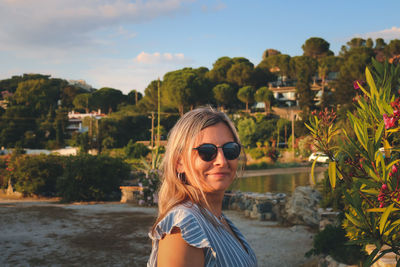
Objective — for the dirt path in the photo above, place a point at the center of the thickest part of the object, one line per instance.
(114, 234)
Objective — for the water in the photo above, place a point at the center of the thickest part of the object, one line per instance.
(277, 183)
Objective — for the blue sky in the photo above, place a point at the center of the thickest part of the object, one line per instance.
(125, 44)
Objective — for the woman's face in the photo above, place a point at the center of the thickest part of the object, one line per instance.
(218, 173)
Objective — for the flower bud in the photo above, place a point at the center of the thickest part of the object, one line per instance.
(384, 187)
(394, 168)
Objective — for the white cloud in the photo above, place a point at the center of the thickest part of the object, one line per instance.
(387, 34)
(73, 22)
(214, 7)
(128, 74)
(157, 57)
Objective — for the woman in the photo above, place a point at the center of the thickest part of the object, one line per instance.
(200, 163)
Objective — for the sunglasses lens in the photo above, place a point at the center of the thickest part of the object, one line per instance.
(207, 152)
(231, 150)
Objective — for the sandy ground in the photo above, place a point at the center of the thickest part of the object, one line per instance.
(40, 233)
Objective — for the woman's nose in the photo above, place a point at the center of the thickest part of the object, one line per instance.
(220, 158)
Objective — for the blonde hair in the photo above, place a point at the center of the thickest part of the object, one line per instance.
(174, 190)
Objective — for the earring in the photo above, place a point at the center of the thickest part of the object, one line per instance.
(182, 177)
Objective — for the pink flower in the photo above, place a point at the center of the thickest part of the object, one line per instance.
(384, 187)
(381, 205)
(394, 169)
(389, 121)
(356, 84)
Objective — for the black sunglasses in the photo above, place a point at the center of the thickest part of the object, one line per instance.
(208, 152)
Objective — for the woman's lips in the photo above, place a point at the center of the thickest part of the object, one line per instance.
(219, 174)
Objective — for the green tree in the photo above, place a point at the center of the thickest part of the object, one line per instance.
(246, 129)
(356, 42)
(380, 43)
(304, 68)
(224, 94)
(218, 74)
(393, 48)
(107, 99)
(16, 120)
(265, 95)
(186, 88)
(39, 95)
(134, 96)
(355, 59)
(270, 52)
(278, 64)
(60, 124)
(241, 72)
(68, 95)
(83, 101)
(246, 95)
(316, 47)
(369, 43)
(150, 100)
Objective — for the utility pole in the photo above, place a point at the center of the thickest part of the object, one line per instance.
(159, 110)
(286, 134)
(292, 115)
(152, 130)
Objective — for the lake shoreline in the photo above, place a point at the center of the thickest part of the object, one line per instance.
(252, 173)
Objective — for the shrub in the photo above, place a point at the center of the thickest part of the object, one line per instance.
(333, 241)
(136, 150)
(36, 174)
(87, 178)
(3, 172)
(256, 153)
(365, 158)
(273, 153)
(150, 182)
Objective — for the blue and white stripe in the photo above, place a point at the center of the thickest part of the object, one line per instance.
(221, 248)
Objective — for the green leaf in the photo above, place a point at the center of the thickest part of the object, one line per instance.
(353, 220)
(385, 215)
(388, 167)
(378, 133)
(360, 133)
(376, 210)
(364, 91)
(371, 83)
(310, 128)
(332, 173)
(312, 170)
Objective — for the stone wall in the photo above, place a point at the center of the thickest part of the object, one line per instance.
(299, 208)
(266, 206)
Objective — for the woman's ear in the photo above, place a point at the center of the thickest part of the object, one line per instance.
(179, 166)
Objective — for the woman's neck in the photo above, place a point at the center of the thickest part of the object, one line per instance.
(215, 202)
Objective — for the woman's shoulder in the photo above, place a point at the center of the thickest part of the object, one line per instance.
(186, 217)
(186, 211)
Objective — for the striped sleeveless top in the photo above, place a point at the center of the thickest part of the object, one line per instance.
(220, 247)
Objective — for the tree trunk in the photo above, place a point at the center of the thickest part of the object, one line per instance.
(266, 107)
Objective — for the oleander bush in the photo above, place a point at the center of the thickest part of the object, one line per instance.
(364, 160)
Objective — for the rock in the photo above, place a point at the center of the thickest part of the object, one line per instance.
(327, 216)
(302, 207)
